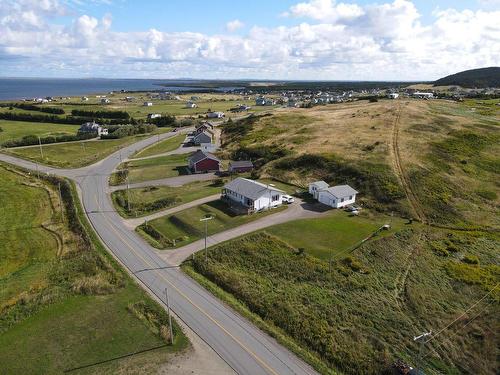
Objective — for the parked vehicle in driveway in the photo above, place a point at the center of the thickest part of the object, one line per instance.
(288, 199)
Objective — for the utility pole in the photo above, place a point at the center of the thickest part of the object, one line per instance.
(205, 219)
(40, 145)
(169, 318)
(420, 339)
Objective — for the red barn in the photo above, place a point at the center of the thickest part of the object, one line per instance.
(202, 162)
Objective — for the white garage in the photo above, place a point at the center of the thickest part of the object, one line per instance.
(337, 196)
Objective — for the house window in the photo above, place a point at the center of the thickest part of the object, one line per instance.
(350, 197)
(275, 198)
(341, 199)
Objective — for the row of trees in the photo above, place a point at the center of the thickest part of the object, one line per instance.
(33, 107)
(30, 140)
(101, 114)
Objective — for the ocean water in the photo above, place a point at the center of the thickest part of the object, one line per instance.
(28, 88)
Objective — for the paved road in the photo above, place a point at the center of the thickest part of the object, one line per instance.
(298, 210)
(239, 343)
(170, 181)
(132, 223)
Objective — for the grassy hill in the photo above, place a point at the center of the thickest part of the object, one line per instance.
(64, 302)
(480, 78)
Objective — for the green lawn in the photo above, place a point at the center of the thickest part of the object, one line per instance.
(155, 168)
(331, 236)
(75, 154)
(68, 305)
(19, 129)
(184, 227)
(151, 199)
(166, 145)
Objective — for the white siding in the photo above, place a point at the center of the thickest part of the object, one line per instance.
(328, 199)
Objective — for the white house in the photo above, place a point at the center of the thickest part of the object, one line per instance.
(423, 95)
(337, 196)
(393, 95)
(93, 127)
(105, 101)
(148, 104)
(190, 104)
(251, 194)
(153, 115)
(215, 114)
(84, 99)
(316, 187)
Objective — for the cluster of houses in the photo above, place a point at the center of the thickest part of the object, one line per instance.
(255, 196)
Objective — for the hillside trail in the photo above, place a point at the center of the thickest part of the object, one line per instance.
(416, 208)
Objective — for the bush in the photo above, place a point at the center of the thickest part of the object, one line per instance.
(30, 140)
(33, 107)
(470, 259)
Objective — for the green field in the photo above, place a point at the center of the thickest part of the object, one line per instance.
(19, 129)
(153, 169)
(64, 302)
(151, 199)
(77, 154)
(166, 145)
(359, 315)
(332, 236)
(184, 227)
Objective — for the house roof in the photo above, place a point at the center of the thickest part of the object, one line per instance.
(241, 164)
(204, 133)
(249, 188)
(341, 191)
(320, 184)
(202, 155)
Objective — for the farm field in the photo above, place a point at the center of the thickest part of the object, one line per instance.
(166, 145)
(152, 169)
(63, 302)
(19, 129)
(360, 315)
(184, 227)
(151, 199)
(75, 154)
(136, 109)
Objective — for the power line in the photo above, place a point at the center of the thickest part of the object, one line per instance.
(460, 316)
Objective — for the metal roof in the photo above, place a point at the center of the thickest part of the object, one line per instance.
(249, 188)
(241, 164)
(341, 191)
(201, 155)
(320, 184)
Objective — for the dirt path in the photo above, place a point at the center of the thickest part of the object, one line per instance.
(400, 172)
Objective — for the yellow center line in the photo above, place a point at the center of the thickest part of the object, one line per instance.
(185, 296)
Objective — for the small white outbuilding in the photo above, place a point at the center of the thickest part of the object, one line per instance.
(334, 196)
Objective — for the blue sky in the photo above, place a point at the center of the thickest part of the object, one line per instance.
(287, 39)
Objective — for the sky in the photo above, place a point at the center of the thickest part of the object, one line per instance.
(398, 40)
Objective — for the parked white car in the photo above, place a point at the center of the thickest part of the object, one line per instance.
(287, 199)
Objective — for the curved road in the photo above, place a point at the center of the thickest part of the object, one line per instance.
(245, 348)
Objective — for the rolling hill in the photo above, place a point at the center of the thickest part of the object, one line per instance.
(483, 77)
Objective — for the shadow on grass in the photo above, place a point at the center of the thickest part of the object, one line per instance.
(114, 358)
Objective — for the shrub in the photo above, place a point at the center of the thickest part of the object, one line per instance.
(487, 194)
(470, 259)
(101, 114)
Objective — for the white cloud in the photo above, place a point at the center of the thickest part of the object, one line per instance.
(333, 41)
(234, 25)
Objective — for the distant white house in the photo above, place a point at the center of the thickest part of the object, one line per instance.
(153, 115)
(264, 101)
(423, 95)
(105, 101)
(84, 99)
(93, 127)
(129, 98)
(190, 104)
(215, 114)
(393, 95)
(148, 104)
(334, 196)
(253, 195)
